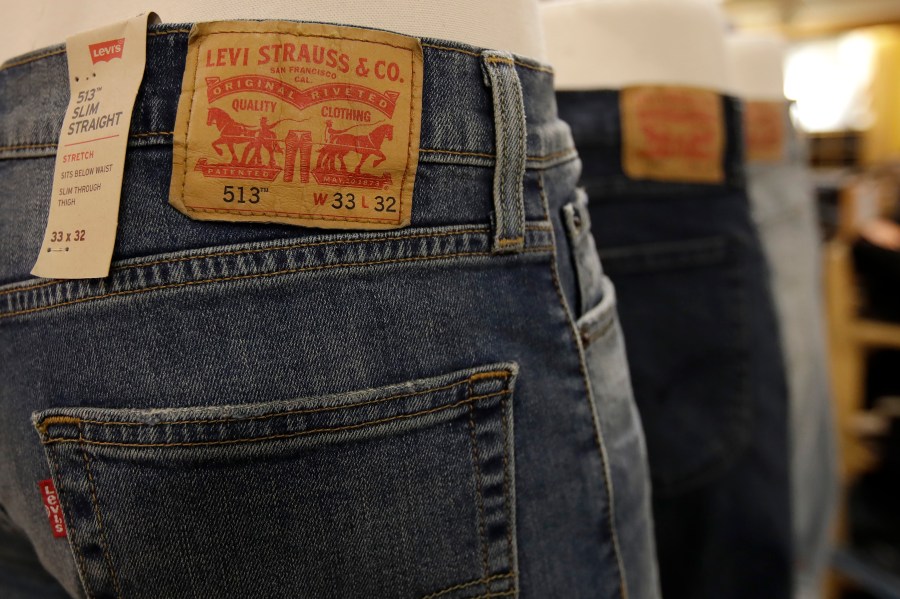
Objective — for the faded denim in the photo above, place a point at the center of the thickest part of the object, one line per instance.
(246, 410)
(705, 360)
(784, 209)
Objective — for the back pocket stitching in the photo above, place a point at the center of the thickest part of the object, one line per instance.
(51, 420)
(325, 430)
(476, 460)
(99, 516)
(72, 533)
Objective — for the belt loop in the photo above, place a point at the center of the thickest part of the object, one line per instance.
(509, 168)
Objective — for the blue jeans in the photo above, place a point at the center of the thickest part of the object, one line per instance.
(705, 360)
(247, 410)
(784, 209)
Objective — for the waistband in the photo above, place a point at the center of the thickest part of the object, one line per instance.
(794, 150)
(596, 122)
(457, 107)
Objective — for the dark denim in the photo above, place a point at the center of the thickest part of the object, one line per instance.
(246, 410)
(784, 207)
(705, 360)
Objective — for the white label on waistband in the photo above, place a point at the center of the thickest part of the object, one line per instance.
(106, 66)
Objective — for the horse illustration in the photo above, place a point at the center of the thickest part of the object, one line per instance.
(230, 132)
(339, 143)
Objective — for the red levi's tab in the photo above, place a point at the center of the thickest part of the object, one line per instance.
(54, 510)
(106, 51)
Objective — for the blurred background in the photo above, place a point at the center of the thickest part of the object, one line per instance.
(842, 74)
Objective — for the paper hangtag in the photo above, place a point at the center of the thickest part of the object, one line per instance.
(672, 134)
(106, 66)
(298, 123)
(764, 131)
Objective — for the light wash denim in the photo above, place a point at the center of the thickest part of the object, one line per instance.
(705, 359)
(247, 410)
(784, 209)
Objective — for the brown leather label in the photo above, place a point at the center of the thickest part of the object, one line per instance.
(298, 123)
(764, 131)
(672, 134)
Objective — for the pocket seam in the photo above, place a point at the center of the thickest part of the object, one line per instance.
(53, 460)
(465, 585)
(104, 543)
(323, 430)
(44, 424)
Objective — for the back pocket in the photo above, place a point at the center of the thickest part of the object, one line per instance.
(401, 491)
(681, 307)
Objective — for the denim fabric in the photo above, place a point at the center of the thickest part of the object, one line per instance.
(705, 360)
(784, 208)
(246, 410)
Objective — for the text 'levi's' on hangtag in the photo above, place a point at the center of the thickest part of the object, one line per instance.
(674, 134)
(298, 123)
(106, 66)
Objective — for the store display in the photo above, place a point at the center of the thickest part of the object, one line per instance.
(664, 169)
(464, 299)
(261, 410)
(783, 205)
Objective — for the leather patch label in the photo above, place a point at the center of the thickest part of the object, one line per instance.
(764, 131)
(672, 134)
(298, 123)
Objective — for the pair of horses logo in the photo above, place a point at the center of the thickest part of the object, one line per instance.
(336, 146)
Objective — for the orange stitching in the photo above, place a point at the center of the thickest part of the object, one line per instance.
(506, 486)
(79, 559)
(297, 246)
(511, 241)
(167, 31)
(103, 540)
(623, 591)
(10, 65)
(471, 583)
(489, 375)
(528, 227)
(42, 428)
(258, 275)
(500, 59)
(51, 420)
(29, 287)
(333, 429)
(476, 460)
(266, 249)
(457, 153)
(152, 134)
(503, 594)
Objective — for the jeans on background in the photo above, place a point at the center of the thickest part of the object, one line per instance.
(784, 208)
(705, 360)
(251, 410)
